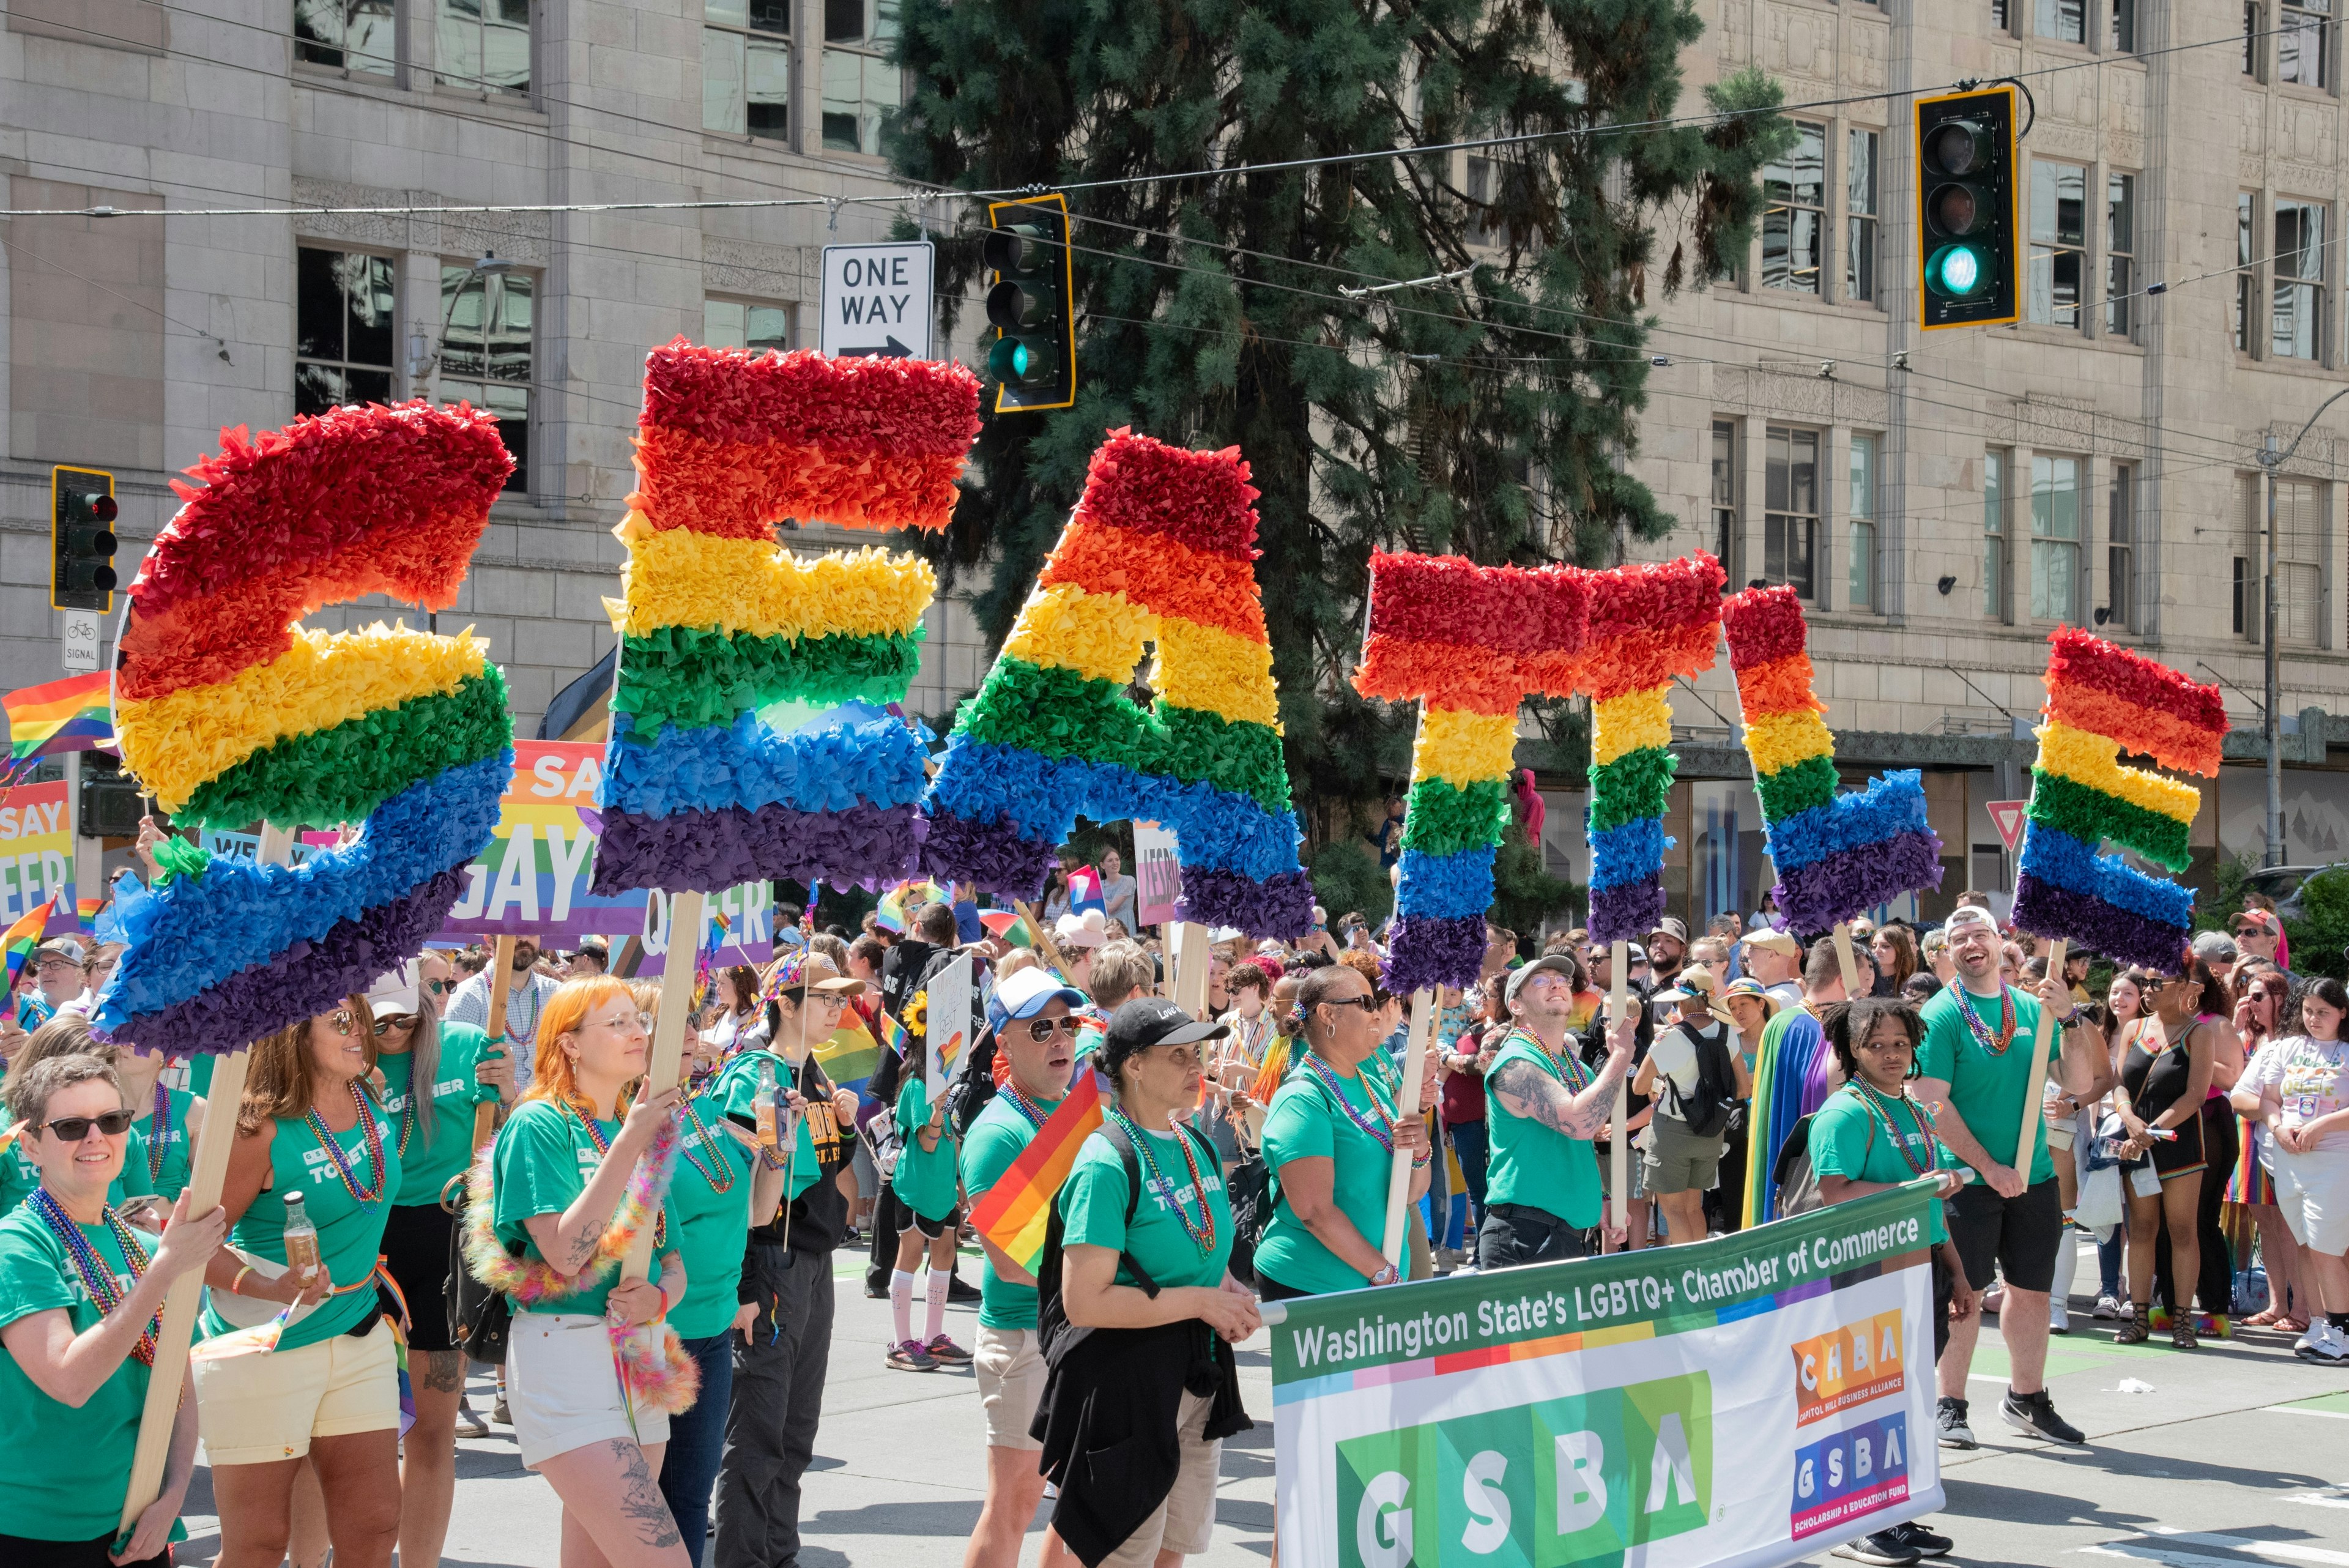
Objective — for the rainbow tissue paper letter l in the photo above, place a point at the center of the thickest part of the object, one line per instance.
(1469, 643)
(2103, 700)
(1837, 855)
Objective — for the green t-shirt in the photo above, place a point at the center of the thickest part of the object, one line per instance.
(544, 1160)
(350, 1233)
(710, 1196)
(736, 1093)
(199, 1075)
(1851, 1140)
(1305, 1124)
(925, 1179)
(1532, 1163)
(66, 1468)
(1092, 1209)
(1987, 1089)
(425, 1168)
(162, 1152)
(19, 1174)
(997, 1136)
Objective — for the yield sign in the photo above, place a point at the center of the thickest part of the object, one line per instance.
(2006, 815)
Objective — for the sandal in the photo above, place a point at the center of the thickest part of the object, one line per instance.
(2267, 1319)
(2181, 1331)
(2136, 1330)
(2290, 1324)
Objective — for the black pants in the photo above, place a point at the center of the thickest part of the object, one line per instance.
(1516, 1233)
(2222, 1145)
(778, 1399)
(23, 1551)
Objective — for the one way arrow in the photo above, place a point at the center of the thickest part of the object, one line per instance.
(893, 349)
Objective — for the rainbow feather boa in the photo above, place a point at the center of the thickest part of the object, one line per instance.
(660, 1375)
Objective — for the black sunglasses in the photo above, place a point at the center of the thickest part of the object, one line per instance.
(1367, 1003)
(73, 1129)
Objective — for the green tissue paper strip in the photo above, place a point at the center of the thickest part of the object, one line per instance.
(175, 857)
(1638, 783)
(1810, 783)
(2090, 815)
(1444, 819)
(695, 678)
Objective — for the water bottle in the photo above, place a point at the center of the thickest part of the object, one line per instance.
(766, 1103)
(301, 1239)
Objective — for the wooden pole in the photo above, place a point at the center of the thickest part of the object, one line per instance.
(1415, 1068)
(207, 1172)
(2035, 1088)
(1848, 960)
(1618, 1147)
(501, 978)
(1044, 942)
(1188, 970)
(669, 1035)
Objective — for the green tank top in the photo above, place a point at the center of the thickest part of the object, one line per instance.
(1532, 1163)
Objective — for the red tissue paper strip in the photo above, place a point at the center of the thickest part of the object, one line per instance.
(1201, 498)
(358, 500)
(1450, 599)
(2146, 706)
(1649, 623)
(1764, 626)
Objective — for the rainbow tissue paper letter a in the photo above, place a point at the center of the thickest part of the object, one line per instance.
(749, 731)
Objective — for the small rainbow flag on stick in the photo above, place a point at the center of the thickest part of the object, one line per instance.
(67, 715)
(1014, 1212)
(21, 939)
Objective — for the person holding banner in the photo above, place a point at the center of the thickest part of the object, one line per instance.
(329, 1387)
(74, 1380)
(1543, 1109)
(1330, 1141)
(1972, 1075)
(1037, 1033)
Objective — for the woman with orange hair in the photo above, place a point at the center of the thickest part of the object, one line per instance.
(569, 1198)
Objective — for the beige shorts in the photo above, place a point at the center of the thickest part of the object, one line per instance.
(253, 1409)
(564, 1388)
(1010, 1382)
(1186, 1520)
(2312, 1191)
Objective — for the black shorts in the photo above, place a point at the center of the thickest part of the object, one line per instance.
(1269, 1289)
(1516, 1233)
(1945, 1287)
(21, 1551)
(2179, 1155)
(902, 1217)
(416, 1243)
(2020, 1235)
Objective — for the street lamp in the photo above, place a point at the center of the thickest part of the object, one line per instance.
(2273, 460)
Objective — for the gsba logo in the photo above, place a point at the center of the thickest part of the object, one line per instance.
(1566, 1480)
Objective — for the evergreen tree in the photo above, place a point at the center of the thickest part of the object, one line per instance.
(1489, 415)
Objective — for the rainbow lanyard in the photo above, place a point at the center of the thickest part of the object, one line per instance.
(604, 1151)
(721, 1180)
(1875, 1100)
(1036, 1114)
(159, 1133)
(364, 1197)
(1381, 1132)
(1981, 1031)
(1203, 1232)
(96, 1278)
(1570, 1070)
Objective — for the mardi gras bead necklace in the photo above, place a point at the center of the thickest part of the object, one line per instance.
(96, 1277)
(159, 1124)
(1383, 1131)
(604, 1151)
(364, 1197)
(1036, 1114)
(1203, 1231)
(1879, 1103)
(1569, 1067)
(721, 1180)
(1996, 1045)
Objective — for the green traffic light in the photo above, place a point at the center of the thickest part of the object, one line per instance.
(1955, 271)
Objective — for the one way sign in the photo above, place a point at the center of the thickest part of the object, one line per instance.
(877, 300)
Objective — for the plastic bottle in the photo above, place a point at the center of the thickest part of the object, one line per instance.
(766, 1103)
(301, 1239)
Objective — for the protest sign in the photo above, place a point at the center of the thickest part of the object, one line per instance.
(36, 848)
(1738, 1403)
(1157, 874)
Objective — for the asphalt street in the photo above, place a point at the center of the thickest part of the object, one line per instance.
(2236, 1457)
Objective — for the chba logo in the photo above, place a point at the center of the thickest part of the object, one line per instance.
(1562, 1481)
(1846, 1366)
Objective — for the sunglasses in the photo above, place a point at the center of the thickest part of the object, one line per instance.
(73, 1129)
(384, 1026)
(344, 1021)
(436, 986)
(1367, 1003)
(1042, 1029)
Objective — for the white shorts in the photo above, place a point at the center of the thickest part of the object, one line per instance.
(253, 1409)
(2312, 1191)
(1185, 1521)
(564, 1388)
(1011, 1384)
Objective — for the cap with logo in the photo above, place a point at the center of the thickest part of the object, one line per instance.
(1149, 1020)
(1029, 992)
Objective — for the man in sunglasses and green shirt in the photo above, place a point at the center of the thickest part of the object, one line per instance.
(1035, 1031)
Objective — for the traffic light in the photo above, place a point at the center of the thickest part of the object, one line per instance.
(1033, 360)
(1970, 261)
(81, 539)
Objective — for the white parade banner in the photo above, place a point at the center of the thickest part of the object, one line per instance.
(1739, 1403)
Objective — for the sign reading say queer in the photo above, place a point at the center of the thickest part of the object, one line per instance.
(36, 847)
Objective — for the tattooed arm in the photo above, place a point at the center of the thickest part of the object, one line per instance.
(1525, 1090)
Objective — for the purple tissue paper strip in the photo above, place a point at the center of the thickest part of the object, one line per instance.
(1628, 911)
(2085, 920)
(710, 851)
(1429, 951)
(1852, 881)
(990, 855)
(300, 982)
(1280, 906)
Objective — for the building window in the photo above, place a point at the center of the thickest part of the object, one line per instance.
(1482, 191)
(483, 45)
(2252, 32)
(1790, 526)
(345, 35)
(2054, 539)
(2243, 596)
(485, 358)
(1860, 222)
(1994, 536)
(2247, 276)
(2120, 252)
(1724, 498)
(1998, 17)
(746, 67)
(1793, 222)
(2301, 528)
(2059, 257)
(2120, 549)
(2124, 39)
(347, 313)
(2065, 21)
(2298, 302)
(861, 89)
(1862, 523)
(738, 324)
(2303, 40)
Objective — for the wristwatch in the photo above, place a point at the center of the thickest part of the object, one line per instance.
(1385, 1276)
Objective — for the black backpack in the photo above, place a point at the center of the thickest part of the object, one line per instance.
(1052, 1318)
(1706, 1109)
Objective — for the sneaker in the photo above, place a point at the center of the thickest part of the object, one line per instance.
(469, 1422)
(946, 1353)
(1928, 1543)
(2033, 1414)
(910, 1357)
(2108, 1306)
(959, 1292)
(851, 1239)
(1886, 1549)
(2323, 1344)
(2059, 1315)
(1949, 1416)
(499, 1414)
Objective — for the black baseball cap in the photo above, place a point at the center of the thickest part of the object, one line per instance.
(1148, 1021)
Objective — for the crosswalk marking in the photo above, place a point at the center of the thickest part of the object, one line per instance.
(2148, 1550)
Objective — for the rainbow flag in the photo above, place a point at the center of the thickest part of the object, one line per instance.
(21, 937)
(69, 716)
(2103, 700)
(892, 1035)
(1013, 1213)
(1835, 855)
(850, 1056)
(901, 900)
